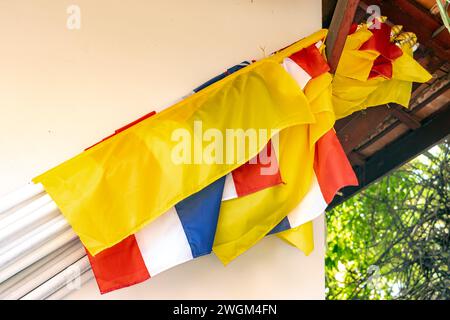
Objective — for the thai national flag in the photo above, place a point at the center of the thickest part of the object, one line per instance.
(181, 234)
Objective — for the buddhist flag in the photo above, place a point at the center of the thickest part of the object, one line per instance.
(297, 226)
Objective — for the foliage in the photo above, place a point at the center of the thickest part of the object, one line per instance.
(391, 241)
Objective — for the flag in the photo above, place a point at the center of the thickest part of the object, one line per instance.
(187, 230)
(371, 71)
(332, 171)
(318, 92)
(181, 234)
(89, 189)
(374, 71)
(118, 189)
(251, 177)
(264, 210)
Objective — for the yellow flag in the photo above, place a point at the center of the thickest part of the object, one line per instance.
(355, 63)
(353, 91)
(301, 237)
(318, 93)
(114, 189)
(244, 221)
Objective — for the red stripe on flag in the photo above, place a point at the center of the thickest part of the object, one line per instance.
(148, 115)
(119, 266)
(252, 177)
(381, 66)
(380, 41)
(353, 28)
(310, 60)
(332, 168)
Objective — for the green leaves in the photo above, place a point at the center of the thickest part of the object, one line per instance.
(398, 226)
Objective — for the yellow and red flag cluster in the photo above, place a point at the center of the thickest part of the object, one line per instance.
(376, 67)
(139, 213)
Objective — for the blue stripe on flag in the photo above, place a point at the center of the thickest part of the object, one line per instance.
(222, 75)
(282, 226)
(199, 214)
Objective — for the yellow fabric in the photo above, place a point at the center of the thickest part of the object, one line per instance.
(237, 232)
(355, 63)
(353, 91)
(244, 221)
(301, 237)
(405, 68)
(405, 71)
(114, 189)
(350, 95)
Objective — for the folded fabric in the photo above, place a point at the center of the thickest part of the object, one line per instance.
(186, 231)
(247, 179)
(332, 172)
(183, 233)
(265, 209)
(253, 176)
(374, 71)
(117, 187)
(167, 241)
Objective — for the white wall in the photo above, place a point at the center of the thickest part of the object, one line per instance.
(62, 90)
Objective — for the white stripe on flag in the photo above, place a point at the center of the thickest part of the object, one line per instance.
(163, 243)
(297, 72)
(312, 206)
(229, 190)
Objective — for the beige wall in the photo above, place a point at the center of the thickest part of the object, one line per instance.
(61, 90)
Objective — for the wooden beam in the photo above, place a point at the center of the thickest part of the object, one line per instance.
(407, 118)
(356, 159)
(328, 7)
(342, 123)
(361, 127)
(436, 91)
(402, 150)
(429, 99)
(340, 25)
(352, 131)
